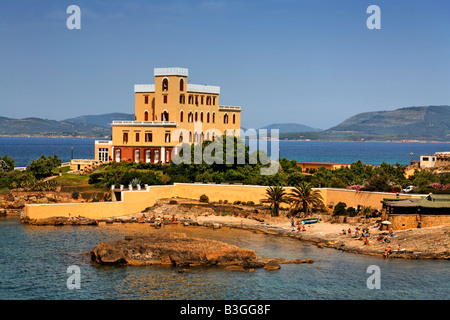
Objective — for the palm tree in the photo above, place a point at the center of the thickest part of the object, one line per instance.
(304, 198)
(275, 196)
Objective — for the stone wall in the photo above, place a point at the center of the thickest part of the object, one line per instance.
(402, 222)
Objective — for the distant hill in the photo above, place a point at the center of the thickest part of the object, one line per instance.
(290, 127)
(103, 120)
(431, 123)
(44, 127)
(413, 123)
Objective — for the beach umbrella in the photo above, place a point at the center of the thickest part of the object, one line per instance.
(386, 222)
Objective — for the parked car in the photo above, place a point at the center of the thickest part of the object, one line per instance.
(408, 189)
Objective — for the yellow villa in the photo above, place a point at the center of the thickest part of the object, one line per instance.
(167, 113)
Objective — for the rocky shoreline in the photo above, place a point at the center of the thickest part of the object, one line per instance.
(424, 243)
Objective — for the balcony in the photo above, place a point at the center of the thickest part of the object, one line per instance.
(145, 123)
(229, 108)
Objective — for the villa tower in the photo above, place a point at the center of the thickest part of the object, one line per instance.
(169, 112)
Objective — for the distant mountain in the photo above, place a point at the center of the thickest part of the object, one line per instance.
(103, 120)
(432, 122)
(44, 127)
(290, 127)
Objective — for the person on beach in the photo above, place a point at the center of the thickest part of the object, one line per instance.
(349, 232)
(292, 222)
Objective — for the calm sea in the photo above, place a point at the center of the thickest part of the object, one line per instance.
(24, 150)
(34, 262)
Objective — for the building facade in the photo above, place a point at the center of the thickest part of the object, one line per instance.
(168, 113)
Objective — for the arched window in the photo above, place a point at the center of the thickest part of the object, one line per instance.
(165, 84)
(190, 136)
(207, 117)
(117, 155)
(165, 116)
(213, 136)
(214, 117)
(190, 117)
(167, 155)
(146, 115)
(225, 118)
(136, 155)
(156, 155)
(202, 137)
(148, 156)
(181, 136)
(195, 137)
(207, 135)
(201, 116)
(181, 98)
(181, 84)
(181, 116)
(234, 118)
(196, 116)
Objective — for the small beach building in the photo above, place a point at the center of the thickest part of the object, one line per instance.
(306, 166)
(432, 210)
(169, 112)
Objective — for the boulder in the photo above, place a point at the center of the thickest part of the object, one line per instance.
(174, 249)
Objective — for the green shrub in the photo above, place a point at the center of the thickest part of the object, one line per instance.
(75, 195)
(339, 209)
(204, 198)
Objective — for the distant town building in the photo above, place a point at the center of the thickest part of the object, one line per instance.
(307, 166)
(439, 159)
(169, 112)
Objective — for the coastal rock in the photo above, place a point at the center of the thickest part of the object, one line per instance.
(272, 265)
(174, 249)
(60, 221)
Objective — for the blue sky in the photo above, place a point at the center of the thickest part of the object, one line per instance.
(306, 61)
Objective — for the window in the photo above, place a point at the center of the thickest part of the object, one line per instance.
(190, 136)
(156, 155)
(225, 118)
(201, 100)
(165, 98)
(201, 116)
(191, 99)
(167, 137)
(196, 116)
(148, 137)
(196, 100)
(167, 155)
(190, 116)
(234, 118)
(182, 99)
(425, 159)
(137, 136)
(148, 156)
(214, 117)
(207, 117)
(136, 155)
(146, 115)
(103, 154)
(181, 116)
(208, 100)
(165, 116)
(195, 137)
(125, 137)
(213, 136)
(214, 101)
(181, 84)
(181, 137)
(146, 99)
(165, 84)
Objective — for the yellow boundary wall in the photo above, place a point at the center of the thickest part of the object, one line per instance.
(136, 201)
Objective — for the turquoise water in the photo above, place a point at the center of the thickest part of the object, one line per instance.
(24, 150)
(34, 262)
